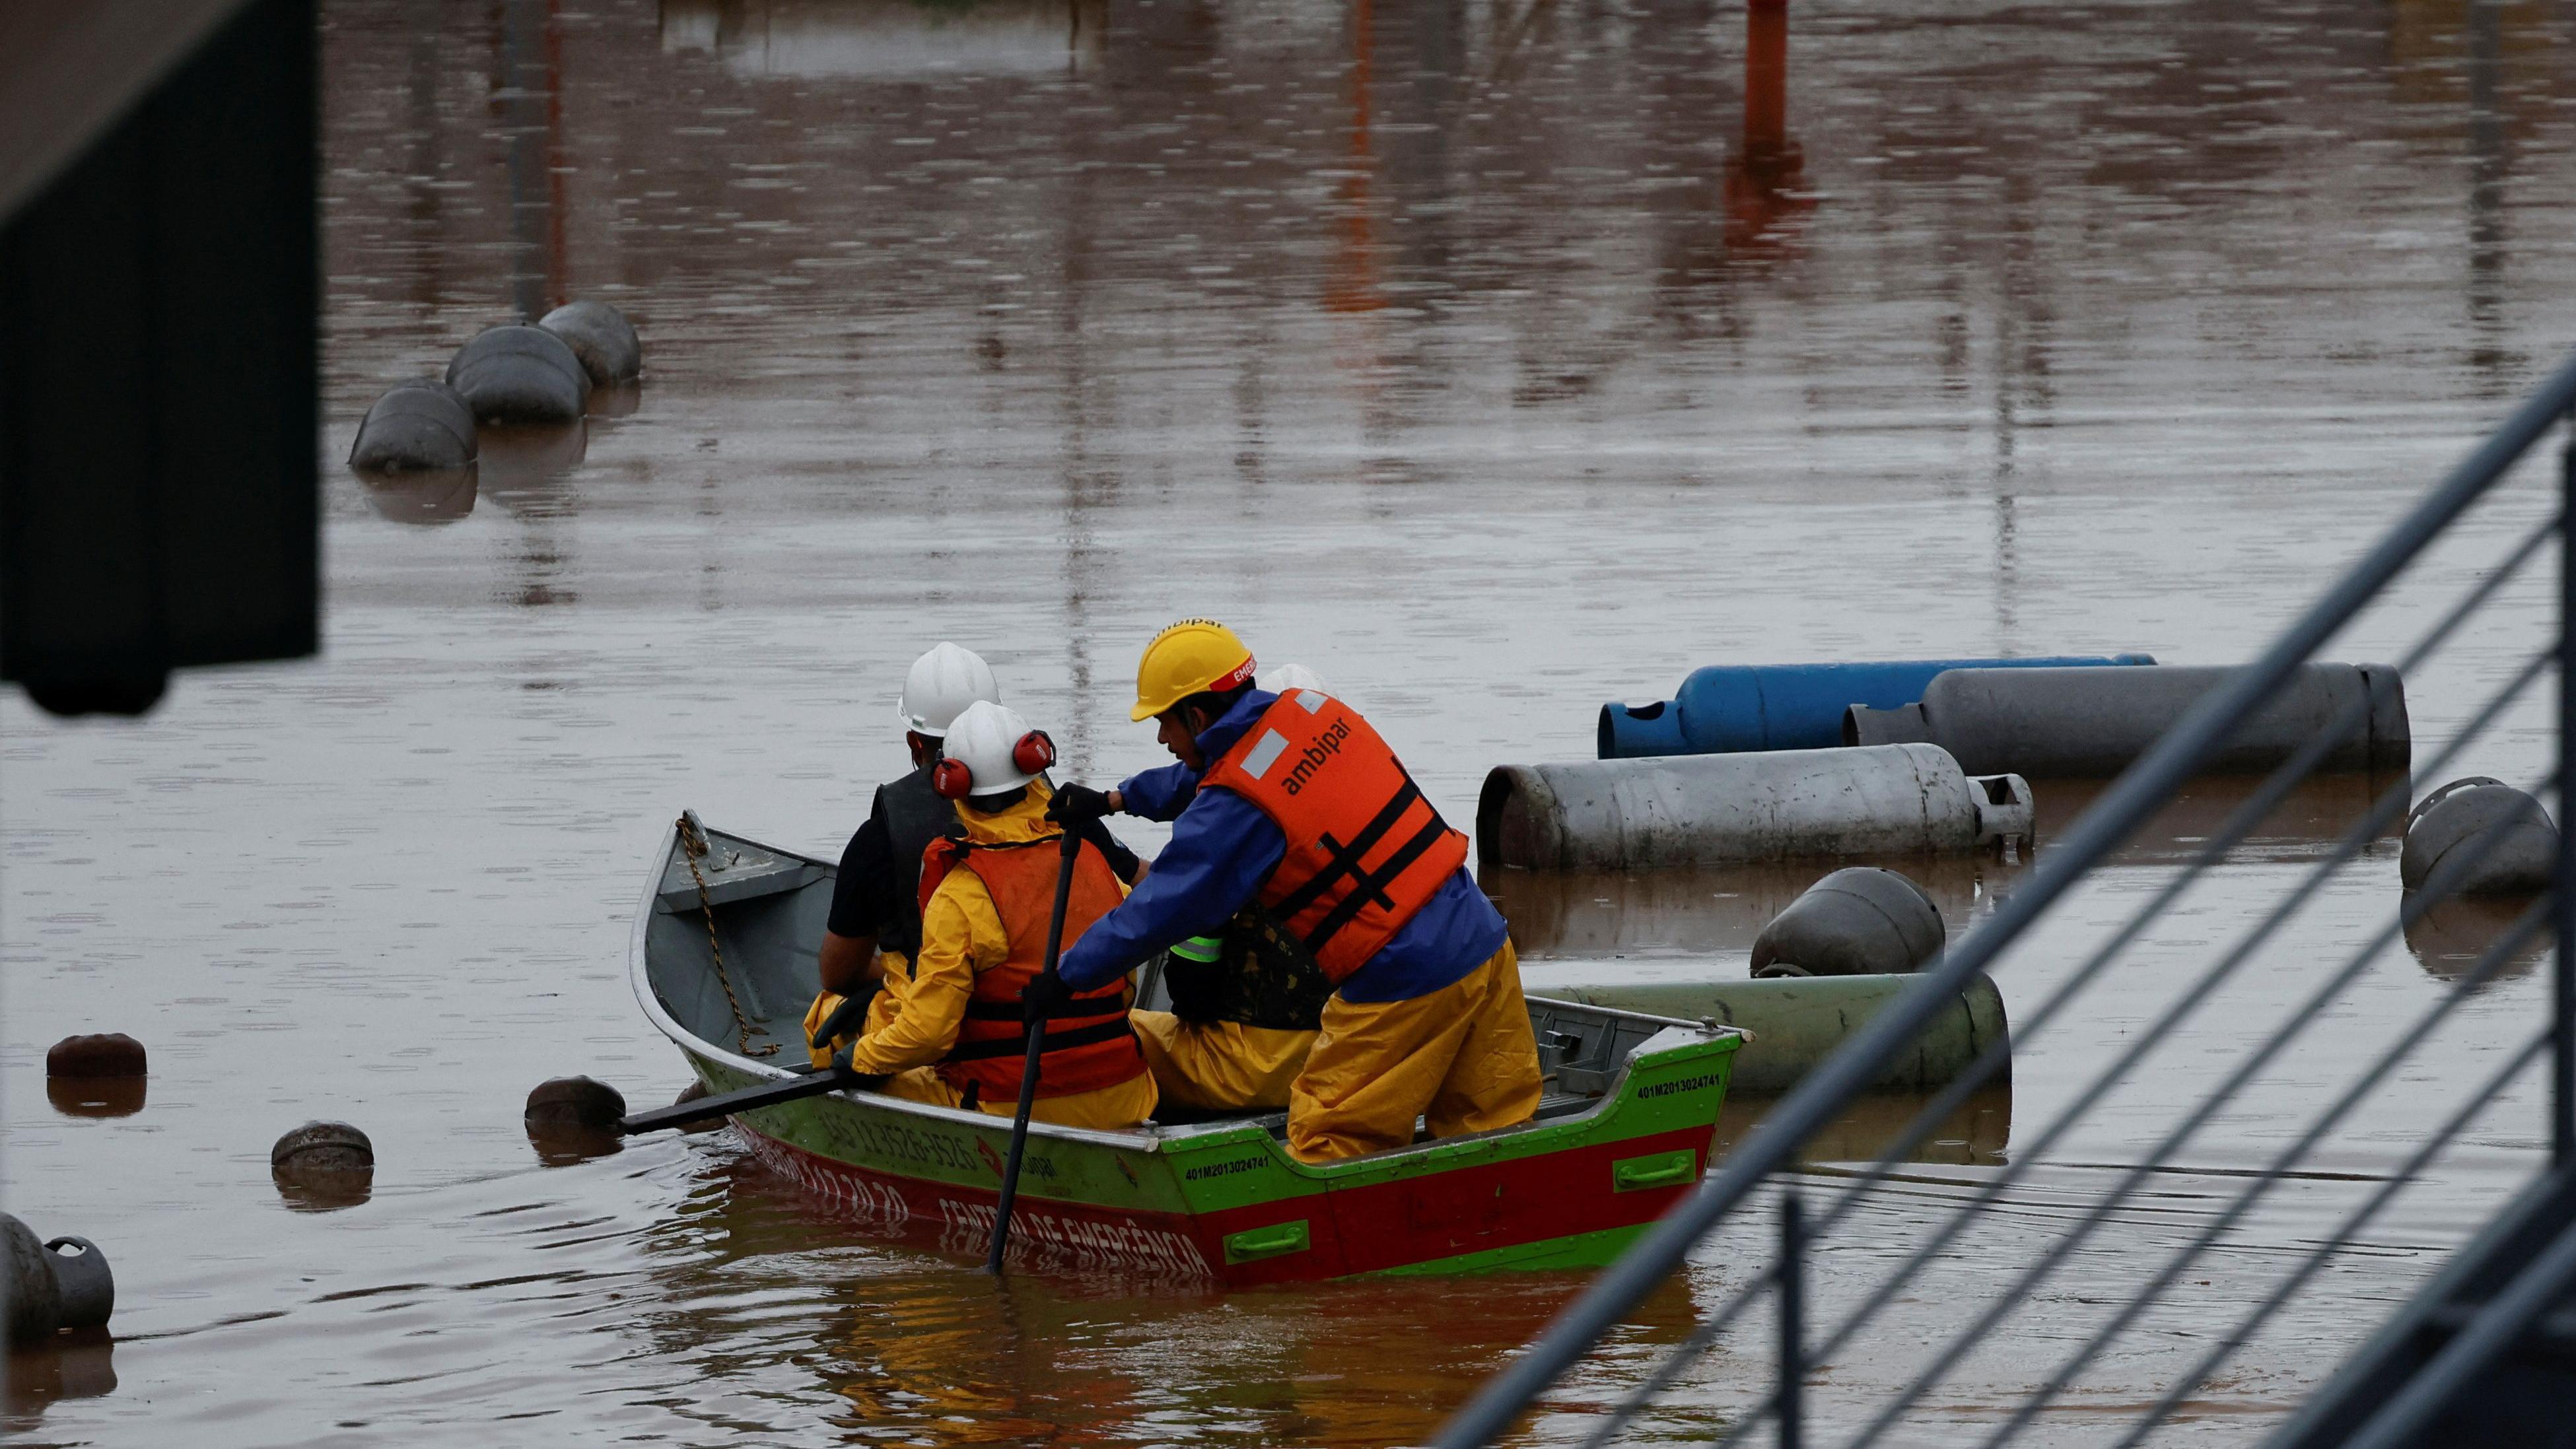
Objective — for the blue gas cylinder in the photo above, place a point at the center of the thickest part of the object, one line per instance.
(1726, 708)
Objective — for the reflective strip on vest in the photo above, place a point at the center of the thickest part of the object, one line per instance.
(1088, 1044)
(1365, 851)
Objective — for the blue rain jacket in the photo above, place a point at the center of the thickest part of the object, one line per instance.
(1222, 849)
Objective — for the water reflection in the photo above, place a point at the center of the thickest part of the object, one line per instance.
(889, 39)
(2449, 939)
(2304, 827)
(527, 109)
(931, 1348)
(96, 1096)
(562, 1146)
(522, 464)
(76, 1365)
(324, 1192)
(1976, 1133)
(430, 497)
(1767, 175)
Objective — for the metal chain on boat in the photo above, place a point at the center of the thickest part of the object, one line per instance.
(693, 845)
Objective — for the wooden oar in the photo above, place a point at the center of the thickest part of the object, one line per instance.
(1037, 1043)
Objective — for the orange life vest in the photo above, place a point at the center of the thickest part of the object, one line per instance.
(1365, 850)
(1088, 1043)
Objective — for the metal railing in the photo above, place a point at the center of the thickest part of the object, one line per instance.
(1913, 1231)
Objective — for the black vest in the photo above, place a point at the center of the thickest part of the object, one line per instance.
(1262, 976)
(915, 815)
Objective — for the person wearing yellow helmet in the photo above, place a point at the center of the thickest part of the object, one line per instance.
(1296, 805)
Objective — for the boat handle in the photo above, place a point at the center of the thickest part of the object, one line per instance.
(1655, 1169)
(1269, 1242)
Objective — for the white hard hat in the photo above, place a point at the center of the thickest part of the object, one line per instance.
(1281, 678)
(942, 683)
(990, 749)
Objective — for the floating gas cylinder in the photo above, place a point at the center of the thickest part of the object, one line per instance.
(1863, 920)
(1732, 708)
(2094, 722)
(107, 1054)
(421, 426)
(1701, 809)
(321, 1166)
(573, 1119)
(601, 337)
(519, 375)
(574, 1102)
(1798, 1021)
(2503, 841)
(53, 1285)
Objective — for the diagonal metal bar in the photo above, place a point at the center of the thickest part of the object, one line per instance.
(2488, 1333)
(2413, 1167)
(2465, 857)
(2416, 1034)
(2129, 802)
(2240, 822)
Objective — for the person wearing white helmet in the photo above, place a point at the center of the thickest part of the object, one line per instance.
(874, 926)
(956, 1037)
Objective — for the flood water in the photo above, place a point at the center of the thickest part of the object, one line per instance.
(1485, 357)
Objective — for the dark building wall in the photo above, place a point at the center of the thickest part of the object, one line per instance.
(158, 383)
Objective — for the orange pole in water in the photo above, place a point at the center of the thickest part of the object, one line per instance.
(1766, 76)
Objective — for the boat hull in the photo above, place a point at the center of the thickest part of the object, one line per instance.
(1232, 1209)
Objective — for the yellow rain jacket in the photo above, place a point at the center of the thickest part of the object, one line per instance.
(1462, 1058)
(962, 934)
(1222, 1066)
(881, 1010)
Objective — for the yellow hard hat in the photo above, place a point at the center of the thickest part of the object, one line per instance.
(1190, 657)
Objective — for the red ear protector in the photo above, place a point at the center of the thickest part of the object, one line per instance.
(953, 781)
(1034, 752)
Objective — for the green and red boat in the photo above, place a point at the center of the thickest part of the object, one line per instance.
(1624, 1130)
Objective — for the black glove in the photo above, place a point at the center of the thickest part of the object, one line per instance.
(864, 1081)
(845, 1018)
(1044, 996)
(1077, 805)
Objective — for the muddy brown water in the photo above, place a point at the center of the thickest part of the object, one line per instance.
(1486, 358)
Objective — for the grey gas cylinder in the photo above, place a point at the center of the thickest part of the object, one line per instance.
(53, 1285)
(2520, 857)
(1863, 920)
(418, 426)
(1798, 1021)
(86, 1289)
(35, 1299)
(2093, 722)
(519, 375)
(601, 337)
(1702, 809)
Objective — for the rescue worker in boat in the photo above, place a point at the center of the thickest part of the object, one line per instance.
(874, 926)
(1247, 999)
(1299, 806)
(956, 1038)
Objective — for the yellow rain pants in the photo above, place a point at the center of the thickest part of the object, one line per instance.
(881, 1010)
(1115, 1107)
(1222, 1066)
(1462, 1058)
